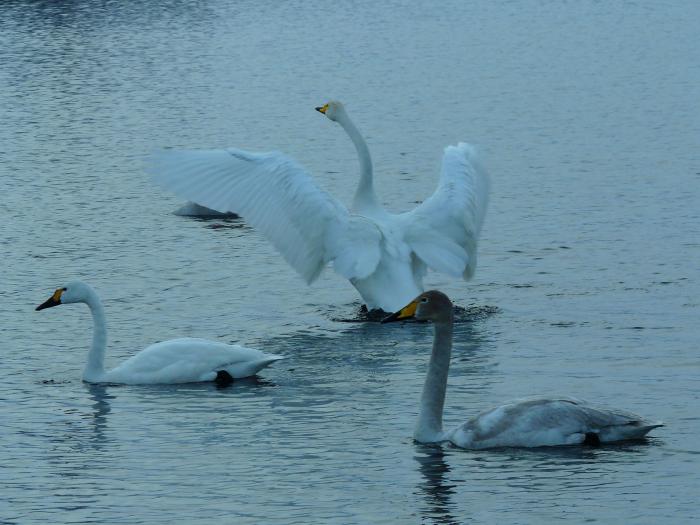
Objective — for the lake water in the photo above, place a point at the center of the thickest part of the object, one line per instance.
(587, 117)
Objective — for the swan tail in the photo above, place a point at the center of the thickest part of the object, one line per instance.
(271, 358)
(632, 430)
(644, 429)
(239, 371)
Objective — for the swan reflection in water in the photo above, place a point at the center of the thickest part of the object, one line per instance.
(80, 429)
(100, 408)
(435, 488)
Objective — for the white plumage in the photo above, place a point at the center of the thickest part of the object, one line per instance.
(188, 360)
(531, 422)
(185, 360)
(384, 255)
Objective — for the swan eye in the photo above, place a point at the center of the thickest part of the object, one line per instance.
(424, 300)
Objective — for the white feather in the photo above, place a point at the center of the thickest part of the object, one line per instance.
(278, 197)
(454, 213)
(188, 360)
(271, 191)
(383, 255)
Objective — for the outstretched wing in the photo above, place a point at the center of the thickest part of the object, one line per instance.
(277, 196)
(443, 231)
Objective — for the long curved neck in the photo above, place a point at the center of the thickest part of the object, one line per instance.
(429, 425)
(95, 368)
(365, 199)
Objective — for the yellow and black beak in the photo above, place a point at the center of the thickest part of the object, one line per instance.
(322, 109)
(407, 312)
(52, 301)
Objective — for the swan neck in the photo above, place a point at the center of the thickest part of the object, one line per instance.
(365, 197)
(429, 426)
(94, 368)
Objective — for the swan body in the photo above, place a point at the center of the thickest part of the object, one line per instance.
(531, 422)
(186, 360)
(538, 422)
(385, 256)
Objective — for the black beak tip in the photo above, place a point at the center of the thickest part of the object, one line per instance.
(49, 303)
(319, 109)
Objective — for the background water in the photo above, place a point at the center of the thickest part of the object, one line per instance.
(587, 116)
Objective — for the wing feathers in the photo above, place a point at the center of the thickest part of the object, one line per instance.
(356, 247)
(278, 197)
(310, 228)
(453, 216)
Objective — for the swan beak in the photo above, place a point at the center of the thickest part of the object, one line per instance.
(52, 301)
(407, 312)
(322, 109)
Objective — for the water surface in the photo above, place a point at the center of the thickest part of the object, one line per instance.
(587, 116)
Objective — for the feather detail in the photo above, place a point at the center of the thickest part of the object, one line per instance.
(277, 196)
(453, 215)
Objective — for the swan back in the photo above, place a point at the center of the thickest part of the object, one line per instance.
(537, 422)
(187, 360)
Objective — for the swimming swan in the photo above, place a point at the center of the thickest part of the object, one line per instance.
(533, 422)
(183, 360)
(384, 255)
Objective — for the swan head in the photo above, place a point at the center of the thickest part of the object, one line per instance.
(74, 292)
(333, 110)
(429, 306)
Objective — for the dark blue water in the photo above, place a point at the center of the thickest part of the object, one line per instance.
(587, 116)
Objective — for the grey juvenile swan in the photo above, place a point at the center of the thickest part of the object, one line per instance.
(532, 422)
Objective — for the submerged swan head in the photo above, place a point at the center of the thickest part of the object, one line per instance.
(333, 110)
(429, 306)
(74, 292)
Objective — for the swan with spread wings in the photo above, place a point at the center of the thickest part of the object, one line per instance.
(384, 256)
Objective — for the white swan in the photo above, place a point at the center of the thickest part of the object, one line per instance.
(185, 360)
(384, 255)
(533, 422)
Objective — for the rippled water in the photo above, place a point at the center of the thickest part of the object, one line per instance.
(587, 115)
